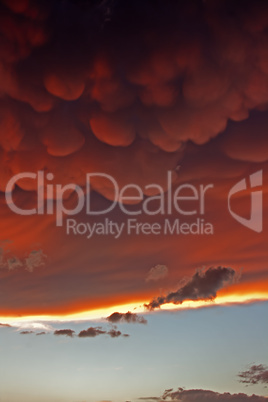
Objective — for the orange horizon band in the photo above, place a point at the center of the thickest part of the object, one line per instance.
(138, 307)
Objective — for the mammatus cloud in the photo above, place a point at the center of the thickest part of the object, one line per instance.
(200, 395)
(143, 101)
(92, 332)
(256, 374)
(66, 332)
(92, 109)
(126, 317)
(202, 286)
(157, 272)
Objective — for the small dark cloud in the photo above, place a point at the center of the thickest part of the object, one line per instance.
(256, 374)
(41, 333)
(201, 395)
(5, 325)
(92, 332)
(66, 332)
(202, 286)
(126, 317)
(114, 334)
(26, 332)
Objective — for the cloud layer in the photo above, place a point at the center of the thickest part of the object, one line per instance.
(101, 96)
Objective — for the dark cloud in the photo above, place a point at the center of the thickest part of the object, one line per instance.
(126, 317)
(114, 333)
(200, 395)
(256, 374)
(202, 286)
(77, 96)
(26, 332)
(88, 93)
(41, 333)
(92, 332)
(66, 332)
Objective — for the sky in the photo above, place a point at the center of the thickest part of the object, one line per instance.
(133, 201)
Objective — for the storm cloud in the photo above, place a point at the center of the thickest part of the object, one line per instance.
(100, 95)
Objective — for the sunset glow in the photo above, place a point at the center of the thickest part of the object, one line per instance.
(133, 200)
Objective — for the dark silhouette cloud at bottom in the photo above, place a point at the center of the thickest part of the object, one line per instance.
(201, 395)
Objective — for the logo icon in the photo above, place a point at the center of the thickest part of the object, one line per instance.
(255, 222)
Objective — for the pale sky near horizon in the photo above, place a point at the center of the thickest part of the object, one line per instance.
(204, 348)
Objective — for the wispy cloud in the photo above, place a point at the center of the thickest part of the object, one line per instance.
(157, 272)
(256, 374)
(32, 260)
(35, 259)
(33, 326)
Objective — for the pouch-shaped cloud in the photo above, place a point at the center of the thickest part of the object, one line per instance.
(112, 97)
